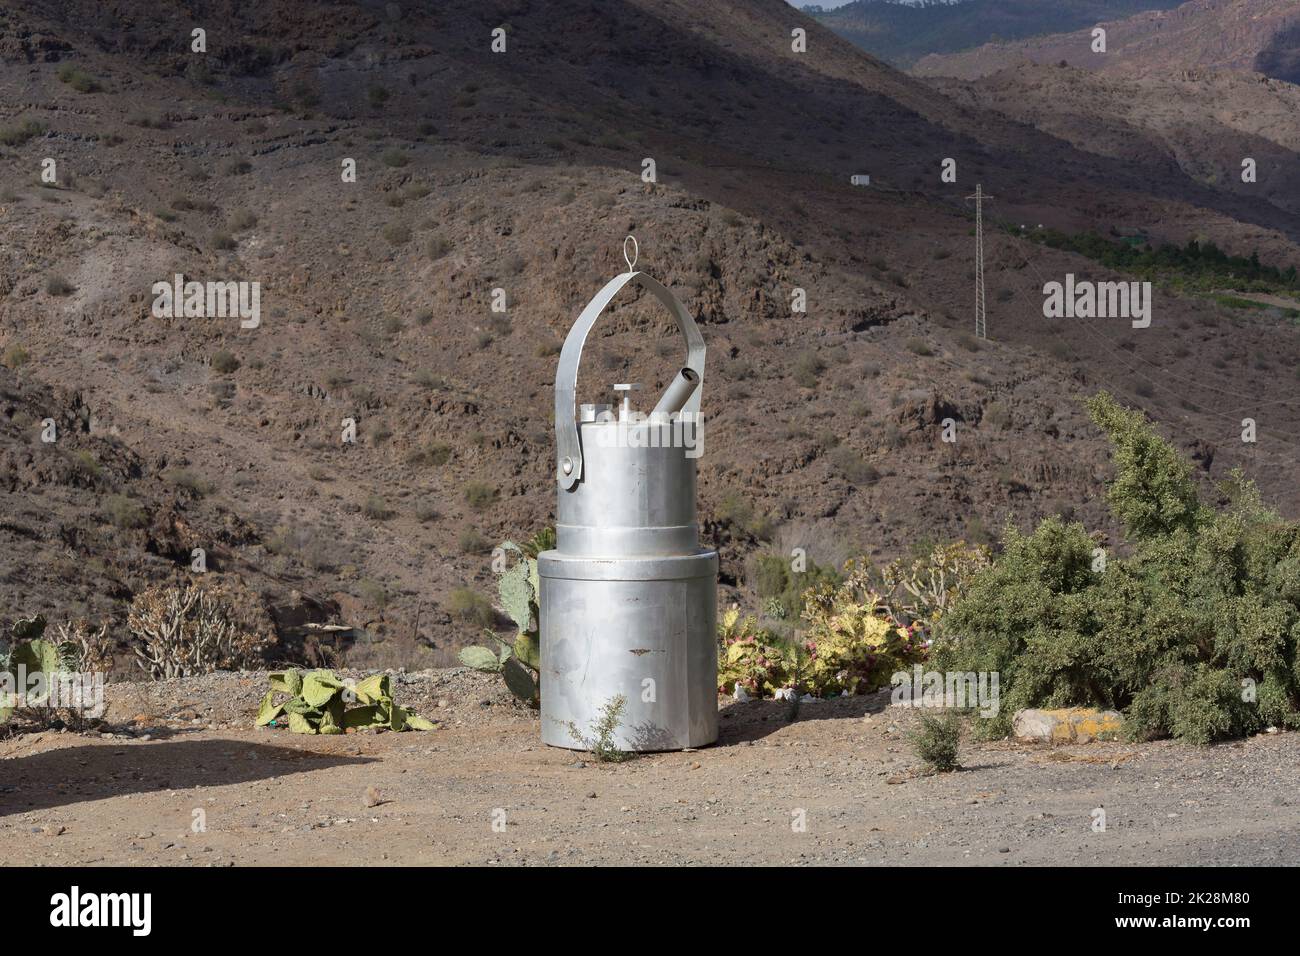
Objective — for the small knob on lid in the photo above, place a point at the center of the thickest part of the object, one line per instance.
(627, 388)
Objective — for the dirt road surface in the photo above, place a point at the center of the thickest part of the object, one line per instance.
(180, 776)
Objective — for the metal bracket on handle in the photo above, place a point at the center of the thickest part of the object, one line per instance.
(568, 447)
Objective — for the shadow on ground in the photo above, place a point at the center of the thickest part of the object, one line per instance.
(69, 775)
(756, 719)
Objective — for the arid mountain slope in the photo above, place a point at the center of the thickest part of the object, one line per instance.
(1261, 36)
(902, 33)
(485, 178)
(1201, 125)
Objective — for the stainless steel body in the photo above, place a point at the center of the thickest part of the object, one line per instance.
(628, 599)
(643, 629)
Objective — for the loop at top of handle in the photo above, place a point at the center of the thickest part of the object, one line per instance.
(568, 446)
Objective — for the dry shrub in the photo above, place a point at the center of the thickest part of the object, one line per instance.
(95, 649)
(198, 628)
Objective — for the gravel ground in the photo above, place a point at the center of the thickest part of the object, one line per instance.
(837, 785)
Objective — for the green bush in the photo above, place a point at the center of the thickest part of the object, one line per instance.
(478, 495)
(1193, 635)
(781, 588)
(191, 482)
(79, 80)
(15, 357)
(471, 541)
(373, 593)
(242, 219)
(1199, 266)
(185, 204)
(148, 121)
(1152, 492)
(471, 607)
(601, 744)
(437, 454)
(851, 465)
(124, 512)
(736, 512)
(21, 133)
(808, 369)
(376, 509)
(87, 464)
(937, 741)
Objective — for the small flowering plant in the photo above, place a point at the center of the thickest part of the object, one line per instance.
(748, 655)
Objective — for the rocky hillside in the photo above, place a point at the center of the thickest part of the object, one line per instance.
(512, 178)
(1260, 36)
(902, 33)
(1199, 124)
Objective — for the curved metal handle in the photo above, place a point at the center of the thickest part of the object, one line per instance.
(568, 447)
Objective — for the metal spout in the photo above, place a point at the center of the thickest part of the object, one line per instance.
(678, 393)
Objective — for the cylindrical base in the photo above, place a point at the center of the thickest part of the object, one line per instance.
(644, 629)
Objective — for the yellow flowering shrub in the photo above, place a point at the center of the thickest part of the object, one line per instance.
(854, 642)
(748, 655)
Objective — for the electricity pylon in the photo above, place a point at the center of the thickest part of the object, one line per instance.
(981, 314)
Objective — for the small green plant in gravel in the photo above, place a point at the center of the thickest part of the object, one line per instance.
(601, 743)
(937, 741)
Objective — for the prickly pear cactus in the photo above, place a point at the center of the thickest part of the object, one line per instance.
(519, 660)
(31, 652)
(517, 595)
(318, 702)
